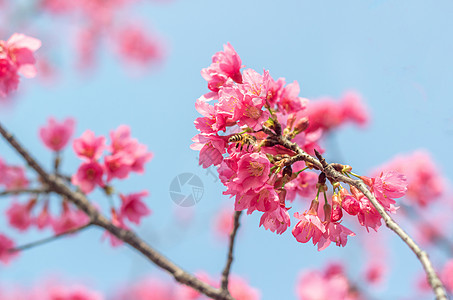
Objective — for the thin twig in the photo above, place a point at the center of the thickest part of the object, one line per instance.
(49, 239)
(331, 173)
(57, 185)
(25, 191)
(226, 271)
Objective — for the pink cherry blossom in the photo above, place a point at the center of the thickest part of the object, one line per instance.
(353, 109)
(336, 233)
(386, 186)
(241, 290)
(138, 46)
(277, 220)
(447, 275)
(69, 219)
(118, 165)
(255, 84)
(223, 222)
(19, 215)
(252, 113)
(13, 177)
(77, 292)
(6, 244)
(375, 272)
(349, 203)
(425, 182)
(290, 101)
(304, 185)
(263, 199)
(227, 62)
(20, 50)
(56, 135)
(121, 139)
(133, 208)
(211, 147)
(337, 212)
(9, 80)
(44, 218)
(146, 289)
(309, 226)
(89, 147)
(313, 285)
(88, 176)
(368, 216)
(253, 171)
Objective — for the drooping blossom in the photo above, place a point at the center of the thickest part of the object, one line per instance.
(19, 214)
(277, 220)
(133, 208)
(309, 226)
(55, 135)
(13, 177)
(335, 233)
(264, 199)
(70, 218)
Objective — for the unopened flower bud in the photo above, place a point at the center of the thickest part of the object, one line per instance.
(337, 212)
(301, 125)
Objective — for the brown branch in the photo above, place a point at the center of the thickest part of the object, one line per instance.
(57, 185)
(25, 191)
(226, 271)
(332, 174)
(49, 239)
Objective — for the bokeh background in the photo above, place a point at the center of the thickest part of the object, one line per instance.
(396, 54)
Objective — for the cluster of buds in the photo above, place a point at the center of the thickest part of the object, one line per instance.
(259, 165)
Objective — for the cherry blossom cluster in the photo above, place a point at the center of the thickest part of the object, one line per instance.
(145, 289)
(89, 24)
(16, 57)
(425, 183)
(125, 155)
(332, 283)
(245, 116)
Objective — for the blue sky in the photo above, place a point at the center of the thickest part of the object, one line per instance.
(397, 54)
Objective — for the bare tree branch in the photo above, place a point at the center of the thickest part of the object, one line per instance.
(25, 191)
(57, 185)
(49, 239)
(226, 271)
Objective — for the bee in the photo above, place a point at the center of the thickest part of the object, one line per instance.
(243, 139)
